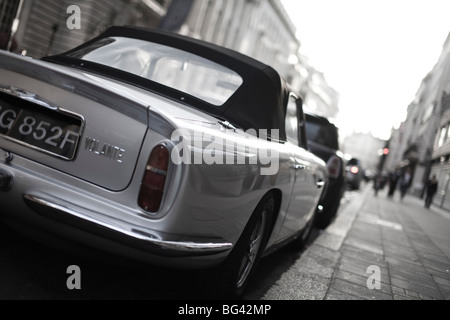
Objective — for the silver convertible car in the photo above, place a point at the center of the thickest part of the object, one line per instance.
(160, 148)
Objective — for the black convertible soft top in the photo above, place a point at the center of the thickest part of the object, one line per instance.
(259, 103)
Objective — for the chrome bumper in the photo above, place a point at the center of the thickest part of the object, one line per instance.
(148, 240)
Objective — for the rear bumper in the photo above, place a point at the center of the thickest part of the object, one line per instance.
(149, 240)
(61, 210)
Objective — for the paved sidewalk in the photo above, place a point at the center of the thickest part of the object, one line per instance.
(407, 245)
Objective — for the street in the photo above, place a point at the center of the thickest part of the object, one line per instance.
(377, 248)
(408, 244)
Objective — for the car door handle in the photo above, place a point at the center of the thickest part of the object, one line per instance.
(298, 167)
(320, 184)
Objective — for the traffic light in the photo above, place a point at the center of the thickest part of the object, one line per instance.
(386, 151)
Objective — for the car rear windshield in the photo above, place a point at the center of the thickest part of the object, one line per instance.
(322, 133)
(171, 67)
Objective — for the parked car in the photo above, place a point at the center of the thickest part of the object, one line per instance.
(323, 141)
(160, 148)
(354, 173)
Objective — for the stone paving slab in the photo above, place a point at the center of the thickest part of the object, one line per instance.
(372, 231)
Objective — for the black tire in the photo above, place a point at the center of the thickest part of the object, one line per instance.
(325, 218)
(303, 238)
(231, 278)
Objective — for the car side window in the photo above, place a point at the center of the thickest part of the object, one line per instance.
(295, 122)
(292, 121)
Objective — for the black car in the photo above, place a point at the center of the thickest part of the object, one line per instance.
(355, 173)
(323, 141)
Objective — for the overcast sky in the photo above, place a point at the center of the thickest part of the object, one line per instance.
(375, 53)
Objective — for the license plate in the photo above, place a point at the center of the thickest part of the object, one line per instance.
(49, 130)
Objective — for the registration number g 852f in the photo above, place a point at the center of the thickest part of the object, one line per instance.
(47, 130)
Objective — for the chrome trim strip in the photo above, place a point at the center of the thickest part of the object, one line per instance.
(174, 247)
(28, 96)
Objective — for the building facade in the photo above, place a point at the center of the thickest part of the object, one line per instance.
(43, 26)
(364, 147)
(422, 141)
(261, 29)
(9, 11)
(318, 96)
(440, 159)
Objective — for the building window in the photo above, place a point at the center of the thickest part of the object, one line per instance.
(428, 112)
(443, 136)
(8, 11)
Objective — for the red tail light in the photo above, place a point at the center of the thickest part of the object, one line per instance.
(334, 167)
(152, 187)
(354, 170)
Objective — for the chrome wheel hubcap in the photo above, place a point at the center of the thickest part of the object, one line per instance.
(252, 250)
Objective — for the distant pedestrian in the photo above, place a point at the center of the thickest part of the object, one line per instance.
(404, 182)
(393, 181)
(431, 190)
(377, 183)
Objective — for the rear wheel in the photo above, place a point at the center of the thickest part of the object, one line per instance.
(229, 280)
